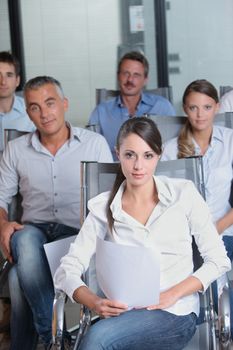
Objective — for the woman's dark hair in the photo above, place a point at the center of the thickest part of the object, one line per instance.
(185, 143)
(146, 129)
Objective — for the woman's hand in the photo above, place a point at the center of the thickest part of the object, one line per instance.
(101, 306)
(226, 221)
(169, 297)
(166, 299)
(108, 308)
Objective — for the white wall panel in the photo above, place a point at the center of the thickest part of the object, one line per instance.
(76, 42)
(200, 32)
(5, 44)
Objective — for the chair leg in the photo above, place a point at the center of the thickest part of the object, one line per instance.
(58, 320)
(84, 324)
(224, 323)
(210, 319)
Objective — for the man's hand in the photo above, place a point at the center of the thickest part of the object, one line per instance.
(108, 308)
(7, 230)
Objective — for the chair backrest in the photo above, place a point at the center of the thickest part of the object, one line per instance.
(8, 135)
(224, 119)
(105, 94)
(99, 177)
(169, 126)
(224, 89)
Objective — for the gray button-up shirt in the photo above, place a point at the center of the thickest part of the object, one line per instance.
(49, 185)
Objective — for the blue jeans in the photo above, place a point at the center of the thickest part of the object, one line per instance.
(141, 330)
(31, 284)
(228, 242)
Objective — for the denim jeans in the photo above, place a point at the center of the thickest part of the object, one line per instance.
(228, 241)
(31, 284)
(141, 330)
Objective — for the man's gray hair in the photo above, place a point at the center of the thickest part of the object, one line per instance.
(37, 82)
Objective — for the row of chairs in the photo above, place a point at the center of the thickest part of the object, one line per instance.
(99, 177)
(105, 94)
(169, 126)
(166, 91)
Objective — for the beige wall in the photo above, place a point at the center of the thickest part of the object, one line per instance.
(5, 44)
(76, 42)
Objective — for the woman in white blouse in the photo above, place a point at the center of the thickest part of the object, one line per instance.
(200, 136)
(159, 213)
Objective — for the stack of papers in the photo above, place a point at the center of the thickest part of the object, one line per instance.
(129, 274)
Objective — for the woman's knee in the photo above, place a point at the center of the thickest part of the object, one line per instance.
(145, 331)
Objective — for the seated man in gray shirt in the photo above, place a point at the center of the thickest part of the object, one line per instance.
(12, 108)
(45, 166)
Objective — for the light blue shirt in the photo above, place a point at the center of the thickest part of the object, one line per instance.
(49, 185)
(218, 170)
(16, 118)
(110, 115)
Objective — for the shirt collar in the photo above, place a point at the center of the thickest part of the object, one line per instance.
(217, 136)
(34, 140)
(144, 100)
(166, 193)
(17, 104)
(74, 133)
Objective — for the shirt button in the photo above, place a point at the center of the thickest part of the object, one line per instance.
(55, 194)
(56, 210)
(54, 177)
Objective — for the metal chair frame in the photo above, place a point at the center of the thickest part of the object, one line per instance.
(105, 94)
(223, 89)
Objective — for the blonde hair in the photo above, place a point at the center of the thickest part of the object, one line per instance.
(185, 143)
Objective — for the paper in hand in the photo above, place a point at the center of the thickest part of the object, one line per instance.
(130, 274)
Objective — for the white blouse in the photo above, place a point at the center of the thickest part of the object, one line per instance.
(180, 214)
(218, 170)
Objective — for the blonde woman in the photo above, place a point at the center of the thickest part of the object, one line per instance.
(200, 136)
